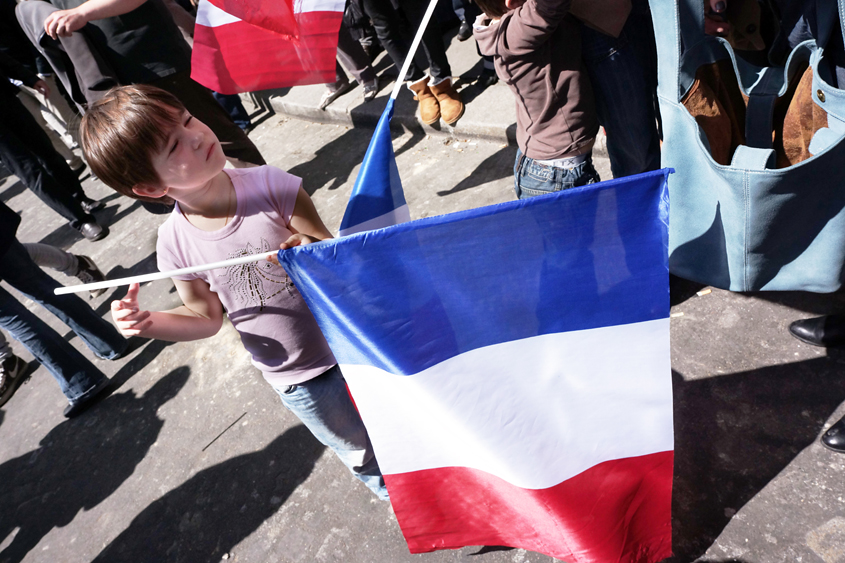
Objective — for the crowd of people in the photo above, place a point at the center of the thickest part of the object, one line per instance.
(153, 134)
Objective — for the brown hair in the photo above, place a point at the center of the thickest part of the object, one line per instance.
(493, 8)
(122, 131)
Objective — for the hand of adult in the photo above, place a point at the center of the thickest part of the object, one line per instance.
(64, 22)
(714, 17)
(42, 88)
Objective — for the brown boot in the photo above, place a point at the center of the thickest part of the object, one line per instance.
(429, 108)
(451, 106)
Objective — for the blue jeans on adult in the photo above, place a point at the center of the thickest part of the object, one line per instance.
(324, 406)
(531, 178)
(76, 375)
(623, 73)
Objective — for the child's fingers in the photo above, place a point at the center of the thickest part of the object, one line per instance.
(274, 258)
(132, 292)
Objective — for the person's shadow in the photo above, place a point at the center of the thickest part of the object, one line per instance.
(79, 464)
(204, 518)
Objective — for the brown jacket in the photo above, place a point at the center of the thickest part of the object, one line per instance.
(537, 52)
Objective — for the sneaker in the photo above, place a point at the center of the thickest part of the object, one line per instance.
(465, 31)
(11, 377)
(331, 95)
(370, 90)
(89, 273)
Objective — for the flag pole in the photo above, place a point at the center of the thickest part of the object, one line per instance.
(414, 45)
(161, 275)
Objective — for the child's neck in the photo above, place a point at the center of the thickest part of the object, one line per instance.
(212, 207)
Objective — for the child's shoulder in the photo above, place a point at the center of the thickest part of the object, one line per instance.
(264, 176)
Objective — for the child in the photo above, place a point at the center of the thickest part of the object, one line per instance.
(142, 142)
(536, 50)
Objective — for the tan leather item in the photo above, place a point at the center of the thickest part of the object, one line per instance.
(607, 16)
(717, 104)
(429, 108)
(803, 118)
(451, 106)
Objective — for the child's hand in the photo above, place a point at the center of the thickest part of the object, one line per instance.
(128, 317)
(295, 240)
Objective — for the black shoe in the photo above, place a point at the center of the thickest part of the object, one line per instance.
(89, 273)
(464, 32)
(11, 377)
(90, 205)
(92, 231)
(834, 438)
(80, 406)
(487, 78)
(820, 331)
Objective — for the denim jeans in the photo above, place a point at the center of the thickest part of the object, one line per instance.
(75, 374)
(531, 178)
(324, 406)
(623, 72)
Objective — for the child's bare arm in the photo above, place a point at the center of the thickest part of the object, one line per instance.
(201, 315)
(305, 223)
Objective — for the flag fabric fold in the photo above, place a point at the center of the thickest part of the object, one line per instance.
(249, 48)
(377, 198)
(511, 364)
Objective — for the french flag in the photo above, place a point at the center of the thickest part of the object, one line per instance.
(377, 198)
(511, 364)
(249, 45)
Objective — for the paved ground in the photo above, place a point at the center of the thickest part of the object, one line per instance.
(193, 459)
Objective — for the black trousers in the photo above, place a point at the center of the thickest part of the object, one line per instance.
(396, 39)
(26, 151)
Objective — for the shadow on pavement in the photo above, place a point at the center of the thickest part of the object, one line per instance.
(499, 165)
(96, 452)
(204, 518)
(12, 191)
(735, 433)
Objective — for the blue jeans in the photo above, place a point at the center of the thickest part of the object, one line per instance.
(324, 406)
(531, 178)
(75, 374)
(623, 72)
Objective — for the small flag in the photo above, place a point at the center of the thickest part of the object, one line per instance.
(511, 364)
(262, 51)
(377, 198)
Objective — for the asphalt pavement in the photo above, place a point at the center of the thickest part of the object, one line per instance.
(192, 458)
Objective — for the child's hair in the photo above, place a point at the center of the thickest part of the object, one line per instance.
(493, 8)
(122, 131)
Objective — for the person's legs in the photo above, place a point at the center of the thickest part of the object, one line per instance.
(388, 28)
(51, 257)
(324, 406)
(432, 40)
(19, 271)
(624, 78)
(235, 108)
(77, 377)
(35, 109)
(353, 57)
(5, 349)
(27, 152)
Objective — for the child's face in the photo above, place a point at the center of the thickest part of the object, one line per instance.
(191, 157)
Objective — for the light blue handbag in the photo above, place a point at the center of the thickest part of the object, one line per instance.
(746, 225)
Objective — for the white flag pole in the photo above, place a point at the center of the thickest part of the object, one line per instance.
(161, 275)
(414, 45)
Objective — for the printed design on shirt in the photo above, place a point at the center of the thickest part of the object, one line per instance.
(256, 282)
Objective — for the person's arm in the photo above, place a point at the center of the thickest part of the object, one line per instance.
(533, 23)
(64, 22)
(200, 316)
(305, 224)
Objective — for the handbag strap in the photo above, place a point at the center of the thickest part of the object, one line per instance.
(681, 25)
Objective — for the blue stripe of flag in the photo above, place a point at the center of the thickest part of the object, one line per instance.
(412, 295)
